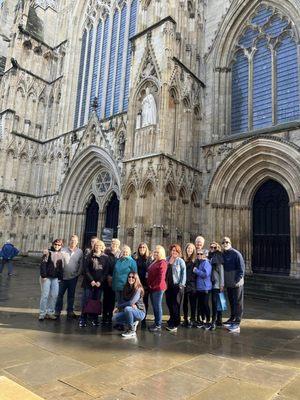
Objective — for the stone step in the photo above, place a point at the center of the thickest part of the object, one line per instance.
(273, 288)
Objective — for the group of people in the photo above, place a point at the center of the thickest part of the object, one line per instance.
(123, 283)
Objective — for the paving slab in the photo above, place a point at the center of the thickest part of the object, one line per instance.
(266, 374)
(10, 390)
(211, 367)
(231, 389)
(105, 379)
(168, 385)
(59, 391)
(292, 390)
(42, 371)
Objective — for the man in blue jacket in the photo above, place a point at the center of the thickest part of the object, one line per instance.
(234, 271)
(8, 252)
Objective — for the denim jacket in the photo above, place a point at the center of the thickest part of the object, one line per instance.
(178, 271)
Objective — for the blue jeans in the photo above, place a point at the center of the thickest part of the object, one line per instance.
(156, 301)
(70, 286)
(49, 292)
(9, 266)
(128, 316)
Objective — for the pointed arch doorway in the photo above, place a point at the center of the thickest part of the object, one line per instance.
(271, 230)
(91, 221)
(112, 214)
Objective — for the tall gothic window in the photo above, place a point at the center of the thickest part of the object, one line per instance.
(105, 59)
(265, 75)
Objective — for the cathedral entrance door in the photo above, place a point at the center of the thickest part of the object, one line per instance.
(271, 230)
(91, 221)
(112, 214)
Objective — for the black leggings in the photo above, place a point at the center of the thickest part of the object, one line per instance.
(173, 300)
(189, 297)
(203, 306)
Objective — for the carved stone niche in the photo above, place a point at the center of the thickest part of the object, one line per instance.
(130, 232)
(148, 232)
(146, 120)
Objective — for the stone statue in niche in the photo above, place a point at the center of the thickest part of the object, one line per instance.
(149, 111)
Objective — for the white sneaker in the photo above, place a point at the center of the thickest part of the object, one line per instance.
(235, 328)
(129, 334)
(174, 329)
(135, 325)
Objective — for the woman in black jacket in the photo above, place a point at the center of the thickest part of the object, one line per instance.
(143, 260)
(95, 271)
(51, 272)
(190, 293)
(215, 257)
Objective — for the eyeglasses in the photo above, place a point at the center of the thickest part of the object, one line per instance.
(131, 277)
(225, 242)
(213, 247)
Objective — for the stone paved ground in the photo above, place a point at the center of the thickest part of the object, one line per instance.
(57, 360)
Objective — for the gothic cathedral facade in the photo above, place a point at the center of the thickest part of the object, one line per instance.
(154, 120)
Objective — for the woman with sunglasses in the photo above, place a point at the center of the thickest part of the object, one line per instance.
(143, 260)
(131, 309)
(204, 286)
(217, 277)
(51, 271)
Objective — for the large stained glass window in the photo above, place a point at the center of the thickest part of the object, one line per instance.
(265, 75)
(105, 59)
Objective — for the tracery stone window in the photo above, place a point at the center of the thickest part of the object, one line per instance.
(103, 182)
(265, 74)
(105, 58)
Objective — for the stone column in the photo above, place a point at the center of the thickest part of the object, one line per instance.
(295, 239)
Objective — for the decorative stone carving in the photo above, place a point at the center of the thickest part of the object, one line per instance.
(149, 110)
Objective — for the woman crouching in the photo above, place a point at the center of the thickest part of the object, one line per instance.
(131, 309)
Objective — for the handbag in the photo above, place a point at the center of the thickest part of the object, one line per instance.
(93, 305)
(221, 302)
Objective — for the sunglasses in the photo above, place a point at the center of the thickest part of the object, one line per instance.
(57, 244)
(213, 247)
(225, 242)
(200, 254)
(131, 277)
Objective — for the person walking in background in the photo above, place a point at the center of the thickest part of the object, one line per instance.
(95, 271)
(190, 293)
(217, 277)
(234, 272)
(204, 286)
(73, 258)
(156, 282)
(130, 309)
(175, 279)
(143, 260)
(124, 265)
(8, 252)
(51, 272)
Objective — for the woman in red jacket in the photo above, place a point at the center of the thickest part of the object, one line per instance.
(156, 281)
